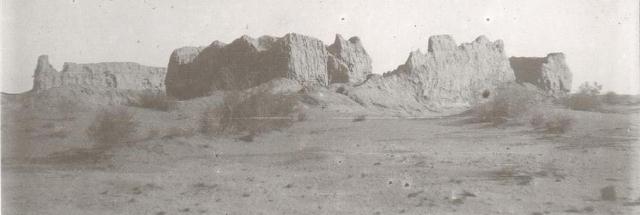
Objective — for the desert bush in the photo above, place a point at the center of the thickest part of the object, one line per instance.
(302, 116)
(210, 121)
(612, 98)
(551, 122)
(489, 112)
(112, 127)
(175, 132)
(248, 138)
(260, 113)
(508, 102)
(58, 134)
(152, 134)
(586, 99)
(590, 88)
(537, 120)
(253, 114)
(154, 100)
(583, 102)
(558, 123)
(360, 118)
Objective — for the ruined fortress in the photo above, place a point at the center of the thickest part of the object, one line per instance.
(446, 74)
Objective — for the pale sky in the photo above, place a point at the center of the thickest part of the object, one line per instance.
(599, 37)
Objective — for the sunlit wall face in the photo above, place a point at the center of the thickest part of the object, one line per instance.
(600, 38)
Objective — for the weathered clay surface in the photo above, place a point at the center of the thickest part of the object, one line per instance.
(447, 75)
(178, 81)
(349, 61)
(247, 62)
(113, 75)
(551, 73)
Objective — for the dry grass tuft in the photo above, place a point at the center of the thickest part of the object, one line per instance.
(252, 114)
(112, 127)
(154, 100)
(583, 102)
(587, 98)
(210, 121)
(176, 132)
(550, 122)
(537, 119)
(559, 123)
(360, 118)
(302, 116)
(509, 102)
(613, 98)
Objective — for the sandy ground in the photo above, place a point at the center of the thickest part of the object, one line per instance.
(330, 164)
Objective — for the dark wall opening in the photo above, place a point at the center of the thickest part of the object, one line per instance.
(486, 94)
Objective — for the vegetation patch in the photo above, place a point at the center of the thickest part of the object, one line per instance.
(154, 100)
(112, 127)
(509, 102)
(586, 99)
(252, 114)
(360, 118)
(557, 123)
(175, 132)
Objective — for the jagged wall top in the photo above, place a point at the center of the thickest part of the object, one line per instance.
(447, 74)
(248, 62)
(114, 75)
(550, 73)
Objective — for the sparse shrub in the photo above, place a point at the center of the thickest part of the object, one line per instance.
(586, 99)
(551, 122)
(59, 134)
(112, 127)
(49, 125)
(508, 102)
(152, 134)
(612, 98)
(261, 113)
(305, 98)
(583, 102)
(210, 121)
(302, 116)
(247, 138)
(254, 114)
(213, 121)
(590, 88)
(537, 120)
(489, 112)
(175, 132)
(154, 100)
(360, 118)
(227, 113)
(558, 123)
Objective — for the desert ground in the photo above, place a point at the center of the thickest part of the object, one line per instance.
(331, 162)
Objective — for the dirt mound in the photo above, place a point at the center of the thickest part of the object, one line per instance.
(71, 98)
